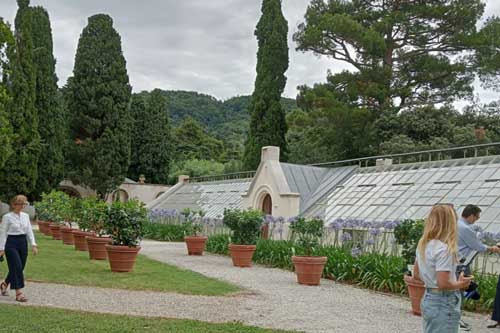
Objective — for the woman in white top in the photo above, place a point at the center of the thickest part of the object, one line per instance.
(436, 266)
(15, 232)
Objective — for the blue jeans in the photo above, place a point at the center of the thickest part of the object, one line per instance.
(441, 311)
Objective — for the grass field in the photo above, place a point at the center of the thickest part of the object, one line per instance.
(58, 263)
(15, 318)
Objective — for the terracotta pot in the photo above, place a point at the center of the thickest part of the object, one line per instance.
(309, 269)
(55, 231)
(195, 245)
(416, 290)
(122, 258)
(97, 247)
(67, 235)
(242, 254)
(43, 226)
(80, 241)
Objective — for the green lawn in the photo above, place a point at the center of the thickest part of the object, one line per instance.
(58, 263)
(16, 318)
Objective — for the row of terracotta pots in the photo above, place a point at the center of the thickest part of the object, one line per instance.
(308, 269)
(121, 258)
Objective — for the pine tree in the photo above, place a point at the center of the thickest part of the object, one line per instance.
(52, 122)
(151, 144)
(6, 42)
(98, 102)
(19, 175)
(267, 123)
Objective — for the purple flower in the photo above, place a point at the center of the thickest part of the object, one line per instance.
(268, 219)
(375, 232)
(370, 242)
(292, 219)
(366, 224)
(336, 226)
(355, 252)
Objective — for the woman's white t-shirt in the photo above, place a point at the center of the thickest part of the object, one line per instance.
(16, 224)
(437, 259)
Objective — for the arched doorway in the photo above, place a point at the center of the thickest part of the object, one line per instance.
(267, 208)
(120, 195)
(267, 205)
(70, 191)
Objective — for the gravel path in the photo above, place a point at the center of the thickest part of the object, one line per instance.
(272, 299)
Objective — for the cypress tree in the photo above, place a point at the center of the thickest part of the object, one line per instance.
(267, 123)
(19, 175)
(98, 102)
(6, 42)
(51, 119)
(151, 144)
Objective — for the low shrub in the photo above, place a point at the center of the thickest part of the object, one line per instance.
(218, 244)
(165, 232)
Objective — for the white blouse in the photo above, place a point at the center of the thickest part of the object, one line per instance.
(14, 224)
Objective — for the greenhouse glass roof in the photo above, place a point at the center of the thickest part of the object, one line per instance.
(409, 190)
(211, 197)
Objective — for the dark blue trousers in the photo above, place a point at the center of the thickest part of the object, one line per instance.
(16, 253)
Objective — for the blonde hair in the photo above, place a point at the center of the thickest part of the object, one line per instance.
(442, 225)
(16, 199)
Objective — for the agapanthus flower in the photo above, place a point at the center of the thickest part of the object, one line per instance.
(355, 252)
(346, 237)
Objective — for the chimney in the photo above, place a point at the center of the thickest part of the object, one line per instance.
(270, 153)
(183, 179)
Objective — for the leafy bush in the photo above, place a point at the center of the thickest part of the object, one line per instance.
(245, 225)
(274, 253)
(407, 234)
(125, 222)
(165, 232)
(94, 213)
(218, 244)
(487, 290)
(192, 221)
(55, 207)
(308, 233)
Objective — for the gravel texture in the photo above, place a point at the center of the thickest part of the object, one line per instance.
(271, 298)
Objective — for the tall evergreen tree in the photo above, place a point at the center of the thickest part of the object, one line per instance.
(151, 144)
(52, 122)
(99, 96)
(19, 175)
(267, 123)
(6, 42)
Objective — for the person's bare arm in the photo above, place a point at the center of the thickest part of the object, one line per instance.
(444, 283)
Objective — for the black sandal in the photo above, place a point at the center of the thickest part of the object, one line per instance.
(497, 325)
(3, 289)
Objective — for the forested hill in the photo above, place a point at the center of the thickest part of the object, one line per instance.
(210, 111)
(223, 119)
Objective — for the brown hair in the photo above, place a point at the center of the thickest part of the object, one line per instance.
(442, 225)
(16, 199)
(471, 210)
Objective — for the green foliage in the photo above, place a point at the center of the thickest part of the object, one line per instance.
(245, 225)
(487, 57)
(125, 222)
(267, 123)
(55, 206)
(94, 215)
(165, 232)
(98, 99)
(308, 233)
(192, 221)
(52, 120)
(196, 168)
(151, 142)
(218, 244)
(192, 142)
(407, 234)
(275, 253)
(20, 172)
(6, 42)
(487, 289)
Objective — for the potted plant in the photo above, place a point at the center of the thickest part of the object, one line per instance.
(82, 216)
(96, 215)
(245, 226)
(195, 242)
(43, 216)
(308, 235)
(58, 206)
(70, 209)
(407, 234)
(125, 225)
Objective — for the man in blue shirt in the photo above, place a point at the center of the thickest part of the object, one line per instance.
(468, 242)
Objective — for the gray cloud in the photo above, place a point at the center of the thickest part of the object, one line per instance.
(206, 46)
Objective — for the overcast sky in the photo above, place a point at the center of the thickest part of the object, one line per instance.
(201, 45)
